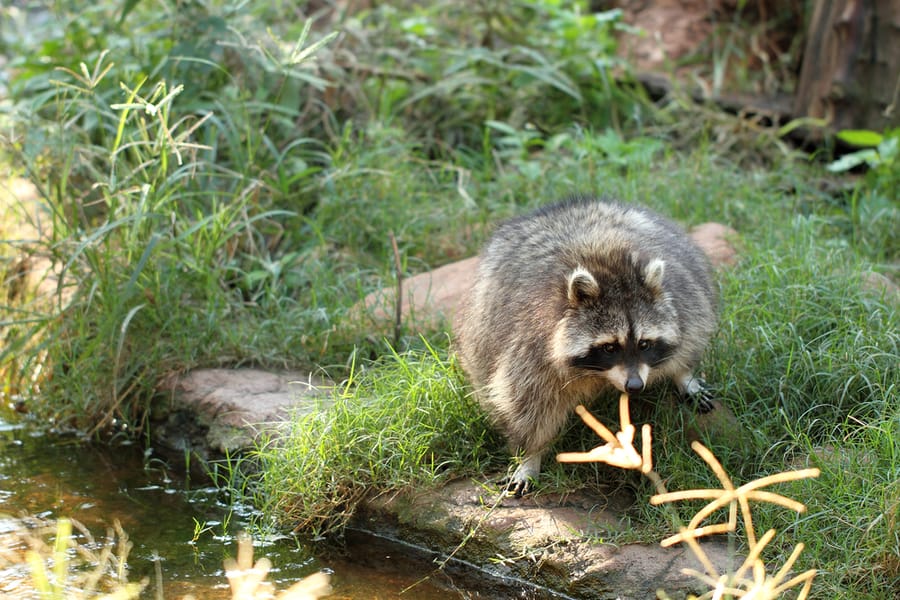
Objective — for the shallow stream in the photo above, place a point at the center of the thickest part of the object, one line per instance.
(189, 528)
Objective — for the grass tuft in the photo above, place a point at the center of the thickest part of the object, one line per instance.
(400, 422)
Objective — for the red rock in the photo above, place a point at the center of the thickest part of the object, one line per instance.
(225, 410)
(715, 240)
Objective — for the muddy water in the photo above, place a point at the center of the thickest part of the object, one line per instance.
(189, 528)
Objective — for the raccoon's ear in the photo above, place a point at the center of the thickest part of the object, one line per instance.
(582, 286)
(653, 274)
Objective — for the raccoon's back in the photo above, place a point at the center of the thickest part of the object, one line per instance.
(559, 235)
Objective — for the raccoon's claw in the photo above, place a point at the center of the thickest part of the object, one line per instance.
(517, 489)
(703, 403)
(700, 395)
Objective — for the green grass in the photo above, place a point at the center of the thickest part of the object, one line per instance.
(237, 221)
(806, 357)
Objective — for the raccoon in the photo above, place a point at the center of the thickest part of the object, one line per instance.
(575, 298)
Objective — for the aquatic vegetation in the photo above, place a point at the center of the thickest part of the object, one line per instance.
(63, 566)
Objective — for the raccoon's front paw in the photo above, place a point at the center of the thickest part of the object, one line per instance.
(521, 480)
(700, 395)
(516, 488)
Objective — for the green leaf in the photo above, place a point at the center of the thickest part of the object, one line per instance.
(127, 7)
(889, 149)
(501, 127)
(848, 161)
(863, 138)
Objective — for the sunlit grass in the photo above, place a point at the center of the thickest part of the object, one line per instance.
(751, 579)
(846, 525)
(63, 566)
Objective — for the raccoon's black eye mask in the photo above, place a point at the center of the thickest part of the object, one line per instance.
(657, 352)
(606, 356)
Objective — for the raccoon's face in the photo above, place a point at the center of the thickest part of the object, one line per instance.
(619, 325)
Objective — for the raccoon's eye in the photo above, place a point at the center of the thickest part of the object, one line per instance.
(644, 344)
(610, 348)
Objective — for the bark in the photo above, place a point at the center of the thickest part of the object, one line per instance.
(850, 74)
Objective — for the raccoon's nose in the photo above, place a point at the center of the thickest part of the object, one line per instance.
(634, 384)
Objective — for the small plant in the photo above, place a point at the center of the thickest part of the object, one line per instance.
(881, 152)
(200, 527)
(751, 579)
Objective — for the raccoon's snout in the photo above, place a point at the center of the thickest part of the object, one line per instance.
(634, 383)
(629, 378)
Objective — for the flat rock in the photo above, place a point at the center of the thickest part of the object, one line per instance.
(718, 242)
(429, 299)
(551, 540)
(223, 411)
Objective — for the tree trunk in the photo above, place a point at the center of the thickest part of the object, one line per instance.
(851, 65)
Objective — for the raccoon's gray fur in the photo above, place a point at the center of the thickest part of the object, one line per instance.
(574, 298)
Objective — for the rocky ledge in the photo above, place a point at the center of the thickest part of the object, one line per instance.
(550, 541)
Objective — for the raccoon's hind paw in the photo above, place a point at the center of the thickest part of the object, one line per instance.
(700, 395)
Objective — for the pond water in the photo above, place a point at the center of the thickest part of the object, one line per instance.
(51, 477)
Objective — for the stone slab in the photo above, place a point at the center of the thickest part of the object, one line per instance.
(221, 411)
